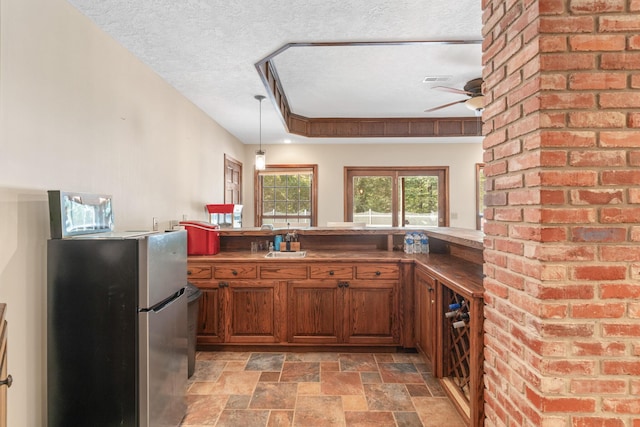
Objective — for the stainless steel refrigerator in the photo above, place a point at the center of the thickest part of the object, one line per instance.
(117, 330)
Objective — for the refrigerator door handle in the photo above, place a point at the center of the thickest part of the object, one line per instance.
(163, 304)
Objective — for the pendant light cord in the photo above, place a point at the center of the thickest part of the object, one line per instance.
(260, 98)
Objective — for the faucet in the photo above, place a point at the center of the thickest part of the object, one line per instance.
(290, 237)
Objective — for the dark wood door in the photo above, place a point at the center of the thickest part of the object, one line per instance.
(232, 180)
(210, 315)
(315, 311)
(370, 312)
(254, 311)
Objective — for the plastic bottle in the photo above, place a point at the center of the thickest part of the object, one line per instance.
(424, 243)
(416, 243)
(409, 243)
(405, 246)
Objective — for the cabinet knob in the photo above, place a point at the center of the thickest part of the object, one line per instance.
(223, 284)
(8, 381)
(343, 284)
(331, 273)
(188, 272)
(234, 272)
(378, 273)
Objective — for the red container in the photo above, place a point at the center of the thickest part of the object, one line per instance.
(225, 208)
(202, 238)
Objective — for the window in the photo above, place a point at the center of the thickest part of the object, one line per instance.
(480, 196)
(393, 197)
(287, 194)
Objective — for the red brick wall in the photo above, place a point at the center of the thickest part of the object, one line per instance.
(562, 251)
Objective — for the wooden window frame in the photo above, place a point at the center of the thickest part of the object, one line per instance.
(395, 173)
(313, 168)
(479, 199)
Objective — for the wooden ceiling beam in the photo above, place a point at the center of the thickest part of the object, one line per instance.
(359, 127)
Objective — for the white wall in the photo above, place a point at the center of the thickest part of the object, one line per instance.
(79, 113)
(331, 160)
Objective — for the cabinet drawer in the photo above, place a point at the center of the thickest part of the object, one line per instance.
(378, 271)
(196, 271)
(331, 272)
(240, 271)
(283, 271)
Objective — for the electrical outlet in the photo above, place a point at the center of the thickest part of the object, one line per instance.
(155, 224)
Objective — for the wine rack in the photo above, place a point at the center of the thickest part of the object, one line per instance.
(456, 337)
(460, 348)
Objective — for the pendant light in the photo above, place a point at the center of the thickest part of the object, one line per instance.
(261, 158)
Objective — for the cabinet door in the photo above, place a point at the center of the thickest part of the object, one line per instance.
(314, 311)
(210, 315)
(371, 313)
(254, 308)
(425, 287)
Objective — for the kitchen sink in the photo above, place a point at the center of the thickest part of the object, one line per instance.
(285, 254)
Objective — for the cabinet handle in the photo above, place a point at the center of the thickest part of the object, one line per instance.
(343, 284)
(235, 273)
(346, 284)
(331, 273)
(378, 273)
(8, 381)
(430, 289)
(223, 285)
(188, 272)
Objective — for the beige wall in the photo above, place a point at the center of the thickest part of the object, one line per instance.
(79, 113)
(331, 160)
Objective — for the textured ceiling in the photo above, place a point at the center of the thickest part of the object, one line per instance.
(207, 50)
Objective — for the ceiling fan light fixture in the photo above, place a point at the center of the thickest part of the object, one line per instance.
(475, 103)
(261, 158)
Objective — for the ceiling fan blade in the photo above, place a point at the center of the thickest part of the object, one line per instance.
(445, 106)
(452, 90)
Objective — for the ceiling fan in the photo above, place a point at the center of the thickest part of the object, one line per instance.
(473, 89)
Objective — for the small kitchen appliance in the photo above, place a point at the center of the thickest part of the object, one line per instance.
(225, 215)
(202, 238)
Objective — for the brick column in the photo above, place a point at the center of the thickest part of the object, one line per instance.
(562, 248)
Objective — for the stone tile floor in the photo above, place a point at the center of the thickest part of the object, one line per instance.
(315, 389)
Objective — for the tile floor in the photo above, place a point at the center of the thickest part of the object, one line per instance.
(315, 389)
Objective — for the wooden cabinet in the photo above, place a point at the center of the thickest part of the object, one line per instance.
(246, 310)
(297, 303)
(209, 329)
(358, 308)
(425, 299)
(251, 311)
(315, 311)
(372, 305)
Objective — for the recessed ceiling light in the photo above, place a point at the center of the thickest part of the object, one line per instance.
(437, 79)
(287, 141)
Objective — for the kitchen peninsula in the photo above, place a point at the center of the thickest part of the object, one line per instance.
(353, 289)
